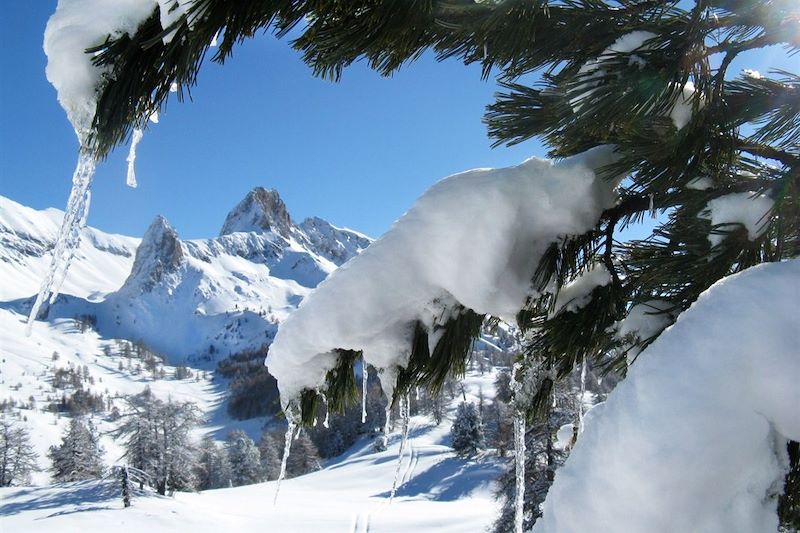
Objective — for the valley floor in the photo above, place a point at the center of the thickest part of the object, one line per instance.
(437, 491)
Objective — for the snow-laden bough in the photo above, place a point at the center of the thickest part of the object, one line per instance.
(695, 437)
(473, 241)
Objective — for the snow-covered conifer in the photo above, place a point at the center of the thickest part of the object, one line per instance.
(304, 457)
(270, 445)
(17, 458)
(467, 431)
(213, 470)
(79, 456)
(158, 440)
(244, 458)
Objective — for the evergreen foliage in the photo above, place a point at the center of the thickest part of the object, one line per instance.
(270, 445)
(212, 471)
(158, 440)
(467, 431)
(542, 458)
(304, 457)
(244, 458)
(739, 136)
(17, 458)
(79, 456)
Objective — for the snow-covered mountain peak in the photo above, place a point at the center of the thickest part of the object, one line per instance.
(261, 211)
(159, 253)
(337, 245)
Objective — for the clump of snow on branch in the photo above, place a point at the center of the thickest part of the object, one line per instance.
(643, 322)
(75, 26)
(78, 25)
(700, 424)
(703, 183)
(751, 210)
(426, 265)
(577, 293)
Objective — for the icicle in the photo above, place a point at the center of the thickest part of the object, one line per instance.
(519, 449)
(404, 412)
(137, 136)
(583, 393)
(519, 461)
(364, 377)
(214, 40)
(69, 236)
(287, 446)
(325, 423)
(652, 206)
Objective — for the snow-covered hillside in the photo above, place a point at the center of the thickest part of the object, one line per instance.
(193, 302)
(182, 298)
(441, 493)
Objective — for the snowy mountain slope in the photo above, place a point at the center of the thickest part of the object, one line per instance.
(180, 297)
(437, 492)
(26, 235)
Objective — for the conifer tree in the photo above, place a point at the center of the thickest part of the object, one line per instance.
(304, 457)
(652, 79)
(269, 445)
(79, 456)
(212, 470)
(244, 458)
(467, 430)
(158, 440)
(17, 458)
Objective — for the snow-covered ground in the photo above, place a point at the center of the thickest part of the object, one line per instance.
(437, 491)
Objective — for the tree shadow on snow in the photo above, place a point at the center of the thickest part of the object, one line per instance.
(449, 480)
(69, 498)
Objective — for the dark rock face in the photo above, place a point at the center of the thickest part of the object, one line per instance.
(261, 211)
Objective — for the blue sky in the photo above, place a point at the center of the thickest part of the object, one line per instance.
(357, 152)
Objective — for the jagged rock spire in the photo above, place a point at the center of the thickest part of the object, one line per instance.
(261, 211)
(160, 252)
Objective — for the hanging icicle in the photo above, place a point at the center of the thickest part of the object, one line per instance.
(519, 447)
(404, 416)
(364, 378)
(582, 397)
(69, 236)
(326, 422)
(135, 138)
(519, 462)
(287, 446)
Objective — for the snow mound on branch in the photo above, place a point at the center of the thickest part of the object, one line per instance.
(426, 265)
(577, 293)
(748, 209)
(75, 26)
(695, 438)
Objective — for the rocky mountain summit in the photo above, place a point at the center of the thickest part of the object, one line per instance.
(184, 298)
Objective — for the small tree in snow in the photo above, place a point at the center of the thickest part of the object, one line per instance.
(79, 456)
(17, 458)
(304, 457)
(467, 430)
(213, 471)
(158, 441)
(244, 458)
(269, 445)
